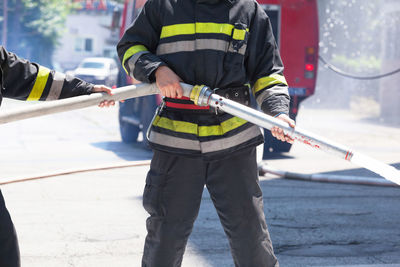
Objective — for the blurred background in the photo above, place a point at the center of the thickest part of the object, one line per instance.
(342, 63)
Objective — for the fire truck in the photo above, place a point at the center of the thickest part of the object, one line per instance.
(295, 27)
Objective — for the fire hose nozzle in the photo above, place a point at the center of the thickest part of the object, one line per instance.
(200, 95)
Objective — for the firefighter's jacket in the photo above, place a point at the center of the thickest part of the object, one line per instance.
(23, 80)
(219, 43)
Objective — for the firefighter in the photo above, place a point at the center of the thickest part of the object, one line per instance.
(227, 45)
(23, 80)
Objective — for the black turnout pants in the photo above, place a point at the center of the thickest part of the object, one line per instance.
(172, 196)
(9, 250)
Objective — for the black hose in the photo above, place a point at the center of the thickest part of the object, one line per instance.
(343, 73)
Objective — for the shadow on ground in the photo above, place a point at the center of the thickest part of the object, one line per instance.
(129, 152)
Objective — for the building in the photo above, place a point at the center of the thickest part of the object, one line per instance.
(89, 32)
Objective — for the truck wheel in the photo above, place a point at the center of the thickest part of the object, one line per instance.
(273, 145)
(129, 132)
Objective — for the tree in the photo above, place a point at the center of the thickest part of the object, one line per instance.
(34, 27)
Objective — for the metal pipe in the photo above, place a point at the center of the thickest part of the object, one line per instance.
(206, 96)
(82, 102)
(326, 178)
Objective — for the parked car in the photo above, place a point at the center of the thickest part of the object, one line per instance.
(97, 70)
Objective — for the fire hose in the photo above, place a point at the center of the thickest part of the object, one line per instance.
(203, 96)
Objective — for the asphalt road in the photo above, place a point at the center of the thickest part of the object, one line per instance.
(96, 218)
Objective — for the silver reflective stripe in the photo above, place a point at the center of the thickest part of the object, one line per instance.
(132, 61)
(172, 141)
(241, 51)
(199, 44)
(56, 86)
(275, 90)
(220, 144)
(181, 46)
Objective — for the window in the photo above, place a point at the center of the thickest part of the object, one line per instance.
(83, 44)
(88, 45)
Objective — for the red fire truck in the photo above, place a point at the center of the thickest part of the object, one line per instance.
(295, 26)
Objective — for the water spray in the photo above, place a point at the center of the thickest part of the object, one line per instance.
(204, 96)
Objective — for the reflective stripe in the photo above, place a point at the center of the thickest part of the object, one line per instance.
(177, 29)
(133, 59)
(56, 86)
(222, 129)
(40, 83)
(172, 141)
(268, 81)
(276, 90)
(201, 131)
(239, 34)
(199, 44)
(208, 146)
(211, 27)
(130, 52)
(225, 143)
(175, 47)
(242, 50)
(201, 27)
(176, 126)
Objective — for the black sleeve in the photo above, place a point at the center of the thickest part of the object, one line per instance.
(265, 67)
(24, 80)
(137, 47)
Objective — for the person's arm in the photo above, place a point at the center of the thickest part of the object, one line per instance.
(29, 81)
(265, 68)
(137, 52)
(137, 47)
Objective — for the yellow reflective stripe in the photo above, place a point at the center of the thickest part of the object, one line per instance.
(222, 129)
(239, 34)
(40, 83)
(177, 29)
(203, 131)
(130, 52)
(202, 27)
(176, 126)
(268, 81)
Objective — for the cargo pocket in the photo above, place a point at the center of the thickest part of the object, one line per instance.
(153, 194)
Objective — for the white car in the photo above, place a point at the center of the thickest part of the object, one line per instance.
(97, 70)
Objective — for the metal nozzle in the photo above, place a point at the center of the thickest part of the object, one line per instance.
(204, 96)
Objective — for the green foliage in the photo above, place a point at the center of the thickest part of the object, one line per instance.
(45, 19)
(361, 64)
(35, 26)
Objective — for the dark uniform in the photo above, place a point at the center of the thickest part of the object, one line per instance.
(224, 44)
(20, 79)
